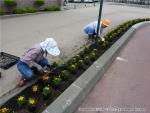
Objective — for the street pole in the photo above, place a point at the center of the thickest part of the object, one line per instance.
(99, 18)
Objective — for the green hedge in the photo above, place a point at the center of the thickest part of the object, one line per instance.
(39, 2)
(2, 12)
(52, 8)
(121, 29)
(31, 10)
(10, 3)
(24, 10)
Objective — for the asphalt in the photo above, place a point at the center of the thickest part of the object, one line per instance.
(66, 27)
(125, 85)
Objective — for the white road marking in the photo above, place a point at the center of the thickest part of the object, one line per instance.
(121, 59)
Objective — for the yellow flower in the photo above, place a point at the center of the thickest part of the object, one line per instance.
(35, 88)
(45, 78)
(31, 101)
(73, 66)
(4, 110)
(46, 88)
(21, 98)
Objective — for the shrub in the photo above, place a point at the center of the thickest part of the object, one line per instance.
(74, 60)
(105, 45)
(46, 92)
(52, 8)
(6, 110)
(31, 104)
(1, 12)
(87, 59)
(19, 11)
(95, 51)
(77, 57)
(39, 2)
(92, 56)
(24, 10)
(73, 68)
(46, 80)
(82, 53)
(56, 81)
(86, 49)
(35, 88)
(110, 38)
(118, 32)
(21, 101)
(65, 75)
(64, 66)
(30, 10)
(147, 19)
(81, 64)
(10, 3)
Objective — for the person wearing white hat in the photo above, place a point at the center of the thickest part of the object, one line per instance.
(35, 58)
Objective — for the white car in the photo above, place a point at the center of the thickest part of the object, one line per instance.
(77, 0)
(90, 0)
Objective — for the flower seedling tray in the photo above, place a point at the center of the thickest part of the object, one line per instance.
(7, 60)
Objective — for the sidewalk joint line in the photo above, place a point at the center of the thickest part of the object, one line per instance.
(77, 86)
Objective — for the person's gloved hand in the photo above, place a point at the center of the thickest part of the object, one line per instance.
(103, 39)
(39, 68)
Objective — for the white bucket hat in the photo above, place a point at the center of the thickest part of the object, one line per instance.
(50, 46)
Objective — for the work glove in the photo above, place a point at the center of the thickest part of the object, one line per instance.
(41, 71)
(39, 68)
(103, 39)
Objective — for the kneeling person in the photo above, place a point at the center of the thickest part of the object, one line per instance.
(91, 29)
(35, 58)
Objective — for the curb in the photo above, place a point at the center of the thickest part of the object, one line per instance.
(72, 97)
(26, 14)
(14, 92)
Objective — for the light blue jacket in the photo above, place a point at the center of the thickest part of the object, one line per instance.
(92, 28)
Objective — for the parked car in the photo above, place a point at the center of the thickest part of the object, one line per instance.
(83, 1)
(90, 1)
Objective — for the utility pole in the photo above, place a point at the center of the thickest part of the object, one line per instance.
(99, 18)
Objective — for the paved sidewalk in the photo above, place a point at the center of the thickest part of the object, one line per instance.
(126, 83)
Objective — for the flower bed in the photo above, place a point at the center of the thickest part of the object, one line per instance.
(37, 97)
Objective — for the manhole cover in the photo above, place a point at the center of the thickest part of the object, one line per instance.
(7, 60)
